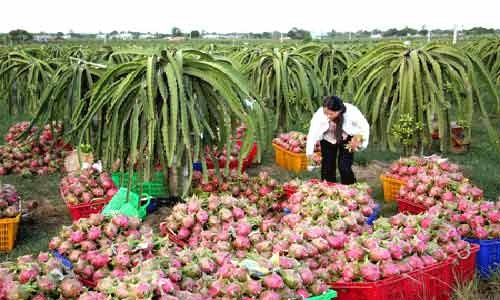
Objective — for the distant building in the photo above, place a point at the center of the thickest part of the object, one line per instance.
(376, 36)
(126, 36)
(101, 36)
(43, 38)
(118, 36)
(317, 35)
(145, 36)
(67, 36)
(176, 38)
(211, 36)
(224, 36)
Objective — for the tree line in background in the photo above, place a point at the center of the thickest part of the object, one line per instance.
(20, 35)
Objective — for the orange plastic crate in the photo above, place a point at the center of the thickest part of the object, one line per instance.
(279, 155)
(8, 233)
(391, 187)
(295, 162)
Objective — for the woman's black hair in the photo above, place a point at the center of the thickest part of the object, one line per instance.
(334, 103)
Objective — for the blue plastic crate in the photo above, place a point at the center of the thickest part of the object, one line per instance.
(153, 206)
(488, 257)
(374, 215)
(197, 166)
(63, 260)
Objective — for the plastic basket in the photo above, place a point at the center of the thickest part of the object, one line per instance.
(154, 188)
(488, 257)
(391, 187)
(409, 207)
(8, 233)
(386, 289)
(88, 283)
(374, 215)
(295, 162)
(289, 191)
(171, 235)
(330, 294)
(197, 166)
(317, 181)
(432, 282)
(85, 210)
(279, 155)
(247, 161)
(464, 265)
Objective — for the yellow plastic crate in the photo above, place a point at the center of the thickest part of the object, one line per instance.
(279, 155)
(295, 162)
(391, 187)
(8, 233)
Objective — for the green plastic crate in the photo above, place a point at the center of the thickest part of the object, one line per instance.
(154, 188)
(330, 294)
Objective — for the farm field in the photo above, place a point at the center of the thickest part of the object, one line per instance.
(156, 111)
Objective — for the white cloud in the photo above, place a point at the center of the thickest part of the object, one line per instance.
(243, 16)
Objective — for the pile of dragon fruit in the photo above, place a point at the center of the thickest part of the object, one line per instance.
(473, 219)
(222, 156)
(428, 190)
(9, 201)
(39, 278)
(408, 167)
(39, 153)
(99, 247)
(87, 185)
(397, 245)
(294, 141)
(432, 180)
(261, 189)
(242, 239)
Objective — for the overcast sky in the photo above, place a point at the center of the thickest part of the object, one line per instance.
(243, 16)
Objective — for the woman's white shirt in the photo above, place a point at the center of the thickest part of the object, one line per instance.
(354, 124)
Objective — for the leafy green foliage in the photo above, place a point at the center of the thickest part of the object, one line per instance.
(434, 81)
(406, 131)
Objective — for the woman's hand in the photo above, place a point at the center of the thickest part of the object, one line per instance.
(355, 143)
(313, 161)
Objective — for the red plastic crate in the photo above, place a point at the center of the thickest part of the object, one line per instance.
(433, 282)
(386, 289)
(174, 239)
(464, 266)
(409, 207)
(88, 283)
(317, 181)
(289, 191)
(430, 283)
(85, 210)
(171, 235)
(247, 161)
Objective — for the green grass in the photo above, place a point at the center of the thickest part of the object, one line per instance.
(35, 232)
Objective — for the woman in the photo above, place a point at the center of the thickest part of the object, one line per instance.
(335, 124)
